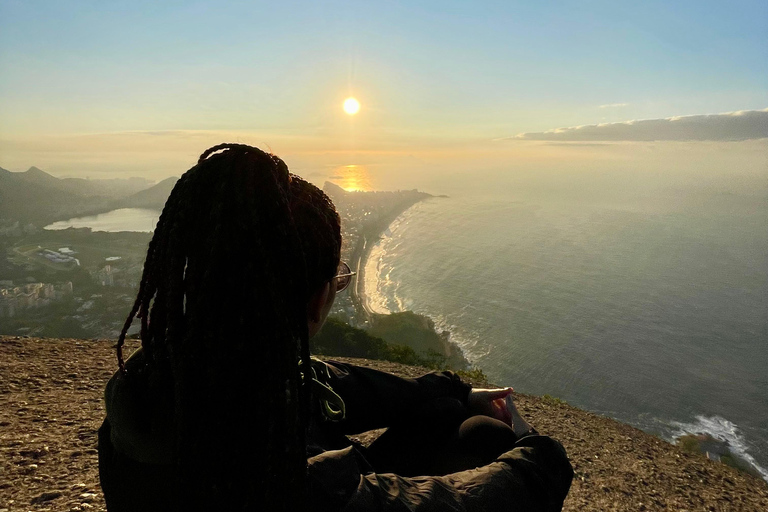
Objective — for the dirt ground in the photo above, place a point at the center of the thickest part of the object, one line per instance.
(51, 407)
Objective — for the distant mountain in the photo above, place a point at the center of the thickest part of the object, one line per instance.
(35, 175)
(111, 188)
(32, 198)
(154, 197)
(333, 190)
(36, 197)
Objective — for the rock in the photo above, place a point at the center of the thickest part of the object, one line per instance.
(88, 496)
(46, 496)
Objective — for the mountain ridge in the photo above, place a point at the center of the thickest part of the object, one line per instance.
(37, 197)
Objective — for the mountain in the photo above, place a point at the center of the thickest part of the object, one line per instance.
(35, 175)
(33, 198)
(110, 188)
(36, 197)
(154, 197)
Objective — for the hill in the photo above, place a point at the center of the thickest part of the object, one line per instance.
(153, 197)
(37, 197)
(338, 338)
(34, 199)
(107, 188)
(51, 407)
(418, 332)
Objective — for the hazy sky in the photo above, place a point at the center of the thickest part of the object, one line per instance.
(110, 88)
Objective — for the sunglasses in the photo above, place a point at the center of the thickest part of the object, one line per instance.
(343, 277)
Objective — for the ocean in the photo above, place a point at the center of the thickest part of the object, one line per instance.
(651, 308)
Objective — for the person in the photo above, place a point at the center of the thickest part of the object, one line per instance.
(223, 408)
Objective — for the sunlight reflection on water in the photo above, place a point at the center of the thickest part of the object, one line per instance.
(352, 178)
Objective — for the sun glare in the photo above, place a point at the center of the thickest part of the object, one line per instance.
(351, 106)
(352, 178)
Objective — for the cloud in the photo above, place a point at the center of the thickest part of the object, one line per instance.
(731, 126)
(614, 105)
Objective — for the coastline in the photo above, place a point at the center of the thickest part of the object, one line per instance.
(369, 236)
(405, 328)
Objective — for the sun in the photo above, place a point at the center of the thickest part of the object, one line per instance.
(351, 106)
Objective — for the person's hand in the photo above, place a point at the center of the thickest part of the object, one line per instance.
(490, 402)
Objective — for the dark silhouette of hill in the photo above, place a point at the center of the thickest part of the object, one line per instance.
(154, 197)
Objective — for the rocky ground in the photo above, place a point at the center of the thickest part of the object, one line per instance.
(51, 407)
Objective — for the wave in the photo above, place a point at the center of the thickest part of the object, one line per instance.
(723, 430)
(380, 287)
(384, 295)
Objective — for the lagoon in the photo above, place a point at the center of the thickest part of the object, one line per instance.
(123, 219)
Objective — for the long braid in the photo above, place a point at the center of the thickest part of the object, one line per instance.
(148, 283)
(238, 248)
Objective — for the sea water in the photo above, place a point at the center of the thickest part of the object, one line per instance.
(652, 312)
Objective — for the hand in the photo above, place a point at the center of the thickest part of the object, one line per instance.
(490, 402)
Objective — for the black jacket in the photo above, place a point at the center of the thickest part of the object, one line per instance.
(534, 476)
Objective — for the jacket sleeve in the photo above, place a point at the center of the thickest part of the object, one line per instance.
(374, 398)
(535, 476)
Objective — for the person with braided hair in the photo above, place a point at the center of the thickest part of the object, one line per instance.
(222, 407)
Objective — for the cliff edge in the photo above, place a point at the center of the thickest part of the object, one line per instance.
(51, 407)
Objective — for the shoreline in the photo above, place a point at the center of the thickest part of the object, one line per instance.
(407, 328)
(369, 236)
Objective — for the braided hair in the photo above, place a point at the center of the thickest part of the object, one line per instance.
(236, 254)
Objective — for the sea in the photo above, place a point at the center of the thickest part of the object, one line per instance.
(647, 304)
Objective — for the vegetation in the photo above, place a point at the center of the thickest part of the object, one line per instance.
(418, 333)
(474, 375)
(338, 338)
(689, 444)
(740, 464)
(703, 443)
(551, 400)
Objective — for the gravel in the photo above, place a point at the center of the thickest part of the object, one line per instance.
(51, 407)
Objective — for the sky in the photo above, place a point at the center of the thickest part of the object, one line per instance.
(115, 89)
